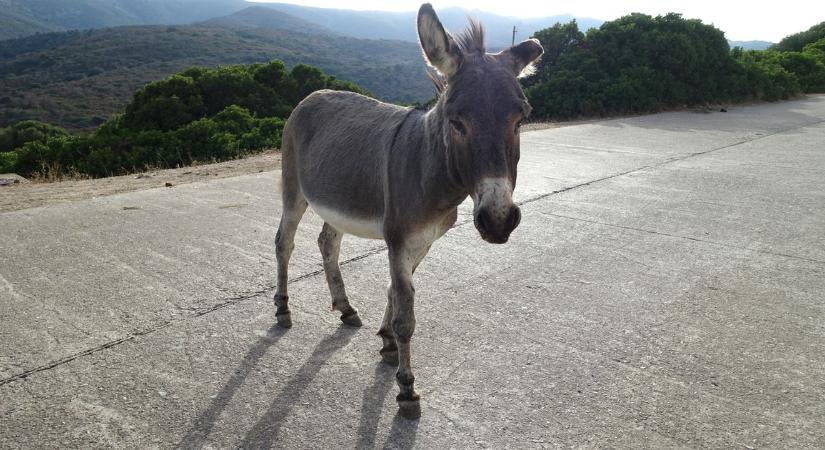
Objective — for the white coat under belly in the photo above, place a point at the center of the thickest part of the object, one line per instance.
(370, 228)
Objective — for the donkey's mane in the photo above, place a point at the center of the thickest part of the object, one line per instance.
(471, 40)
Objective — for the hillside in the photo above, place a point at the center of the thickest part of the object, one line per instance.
(78, 79)
(26, 17)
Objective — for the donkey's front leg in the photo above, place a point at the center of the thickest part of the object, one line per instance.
(401, 297)
(389, 351)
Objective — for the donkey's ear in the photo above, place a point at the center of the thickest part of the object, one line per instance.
(440, 50)
(521, 57)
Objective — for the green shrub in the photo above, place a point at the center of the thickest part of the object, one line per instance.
(816, 50)
(640, 63)
(636, 63)
(196, 115)
(27, 131)
(8, 162)
(797, 42)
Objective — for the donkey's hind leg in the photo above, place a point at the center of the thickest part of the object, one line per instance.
(329, 241)
(294, 206)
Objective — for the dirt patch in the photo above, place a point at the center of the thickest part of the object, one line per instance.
(31, 195)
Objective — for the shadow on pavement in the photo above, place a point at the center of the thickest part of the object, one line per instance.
(204, 423)
(402, 432)
(372, 404)
(265, 431)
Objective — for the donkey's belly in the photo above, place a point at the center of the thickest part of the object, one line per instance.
(370, 228)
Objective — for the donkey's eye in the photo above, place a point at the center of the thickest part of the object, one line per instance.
(458, 126)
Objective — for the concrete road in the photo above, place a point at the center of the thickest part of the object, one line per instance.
(666, 289)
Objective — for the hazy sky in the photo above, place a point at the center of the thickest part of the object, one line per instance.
(770, 21)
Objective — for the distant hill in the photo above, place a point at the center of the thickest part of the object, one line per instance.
(266, 18)
(751, 45)
(19, 18)
(26, 17)
(400, 25)
(78, 79)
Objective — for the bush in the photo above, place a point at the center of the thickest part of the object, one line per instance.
(27, 131)
(198, 114)
(636, 63)
(816, 50)
(797, 42)
(639, 63)
(8, 162)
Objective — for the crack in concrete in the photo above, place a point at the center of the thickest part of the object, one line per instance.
(381, 249)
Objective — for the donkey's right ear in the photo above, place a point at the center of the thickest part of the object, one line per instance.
(440, 50)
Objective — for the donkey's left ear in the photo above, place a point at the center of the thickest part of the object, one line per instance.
(522, 56)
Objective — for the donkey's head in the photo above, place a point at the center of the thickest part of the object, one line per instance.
(482, 108)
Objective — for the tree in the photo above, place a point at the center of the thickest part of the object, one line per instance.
(796, 42)
(556, 41)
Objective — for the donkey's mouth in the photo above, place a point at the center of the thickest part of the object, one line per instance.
(495, 239)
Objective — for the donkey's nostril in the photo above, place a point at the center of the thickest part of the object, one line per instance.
(514, 218)
(482, 220)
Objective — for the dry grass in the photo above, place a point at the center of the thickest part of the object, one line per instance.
(50, 188)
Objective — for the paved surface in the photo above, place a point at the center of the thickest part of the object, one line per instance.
(666, 289)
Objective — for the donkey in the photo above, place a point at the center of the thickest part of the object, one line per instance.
(382, 171)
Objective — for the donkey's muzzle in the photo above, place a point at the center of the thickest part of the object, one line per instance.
(496, 228)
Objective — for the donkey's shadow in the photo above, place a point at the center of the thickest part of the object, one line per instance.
(206, 420)
(403, 431)
(266, 430)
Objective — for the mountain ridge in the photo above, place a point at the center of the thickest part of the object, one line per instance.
(400, 25)
(750, 45)
(266, 18)
(20, 18)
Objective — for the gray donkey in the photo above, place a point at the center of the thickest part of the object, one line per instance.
(382, 171)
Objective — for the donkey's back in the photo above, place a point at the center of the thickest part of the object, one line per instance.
(334, 151)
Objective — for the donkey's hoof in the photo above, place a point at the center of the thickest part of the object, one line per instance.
(409, 406)
(389, 357)
(351, 319)
(284, 320)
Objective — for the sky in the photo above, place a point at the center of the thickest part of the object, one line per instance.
(752, 20)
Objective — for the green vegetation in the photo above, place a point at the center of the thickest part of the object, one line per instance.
(19, 18)
(27, 131)
(79, 79)
(196, 115)
(797, 42)
(640, 63)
